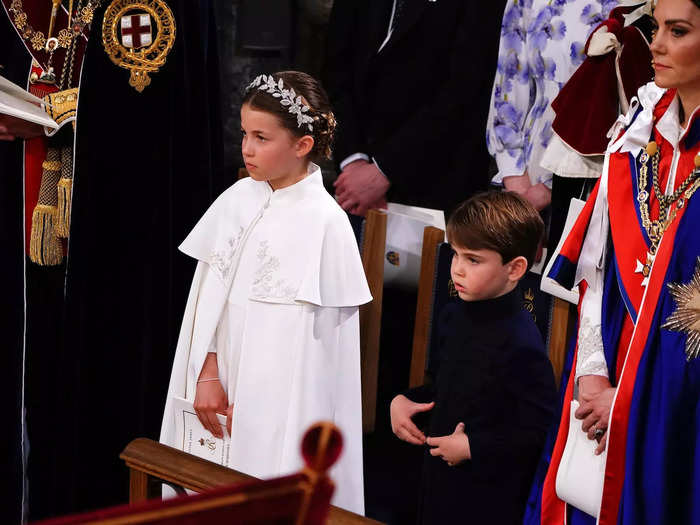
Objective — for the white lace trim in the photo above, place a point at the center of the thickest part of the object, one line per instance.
(222, 260)
(591, 356)
(265, 283)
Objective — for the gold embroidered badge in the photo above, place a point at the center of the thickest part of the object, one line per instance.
(529, 302)
(394, 258)
(686, 317)
(129, 39)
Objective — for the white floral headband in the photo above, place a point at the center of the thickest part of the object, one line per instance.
(287, 98)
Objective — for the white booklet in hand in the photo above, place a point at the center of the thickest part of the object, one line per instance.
(194, 439)
(18, 102)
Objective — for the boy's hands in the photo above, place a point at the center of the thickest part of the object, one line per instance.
(453, 448)
(402, 410)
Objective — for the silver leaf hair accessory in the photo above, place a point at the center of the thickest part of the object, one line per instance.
(288, 98)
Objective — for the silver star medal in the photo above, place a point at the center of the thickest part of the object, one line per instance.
(686, 317)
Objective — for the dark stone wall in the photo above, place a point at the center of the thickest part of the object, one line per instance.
(305, 52)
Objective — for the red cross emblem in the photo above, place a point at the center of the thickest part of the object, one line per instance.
(136, 31)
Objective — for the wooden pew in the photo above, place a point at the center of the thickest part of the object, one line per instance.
(432, 238)
(226, 496)
(151, 462)
(560, 332)
(372, 248)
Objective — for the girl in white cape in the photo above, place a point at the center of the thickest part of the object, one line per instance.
(270, 335)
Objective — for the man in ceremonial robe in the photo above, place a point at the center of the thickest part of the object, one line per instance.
(146, 165)
(34, 296)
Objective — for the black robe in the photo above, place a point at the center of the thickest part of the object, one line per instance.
(493, 375)
(14, 65)
(147, 165)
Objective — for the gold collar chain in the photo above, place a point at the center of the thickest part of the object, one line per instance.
(667, 213)
(64, 38)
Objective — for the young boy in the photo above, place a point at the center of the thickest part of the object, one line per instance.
(493, 397)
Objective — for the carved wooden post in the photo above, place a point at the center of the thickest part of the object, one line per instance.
(373, 246)
(432, 237)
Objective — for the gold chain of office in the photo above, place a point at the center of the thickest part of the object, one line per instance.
(655, 229)
(38, 40)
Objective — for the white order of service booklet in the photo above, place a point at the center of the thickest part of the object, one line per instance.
(194, 439)
(404, 242)
(19, 103)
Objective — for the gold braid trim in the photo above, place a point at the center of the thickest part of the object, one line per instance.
(51, 165)
(65, 193)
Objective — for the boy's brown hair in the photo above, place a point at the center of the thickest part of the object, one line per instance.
(501, 221)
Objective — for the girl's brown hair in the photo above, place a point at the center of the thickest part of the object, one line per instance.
(314, 96)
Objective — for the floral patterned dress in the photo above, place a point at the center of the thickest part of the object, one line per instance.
(542, 43)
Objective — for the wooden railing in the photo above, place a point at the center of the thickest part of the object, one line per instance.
(151, 463)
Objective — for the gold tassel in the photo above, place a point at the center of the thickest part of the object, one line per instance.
(44, 247)
(65, 191)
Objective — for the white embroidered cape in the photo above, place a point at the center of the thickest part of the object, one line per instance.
(280, 275)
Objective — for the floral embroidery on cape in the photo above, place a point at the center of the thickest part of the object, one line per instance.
(222, 260)
(265, 283)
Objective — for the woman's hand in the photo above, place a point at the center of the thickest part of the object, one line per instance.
(210, 397)
(210, 400)
(592, 384)
(601, 445)
(595, 411)
(595, 397)
(402, 410)
(517, 183)
(539, 195)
